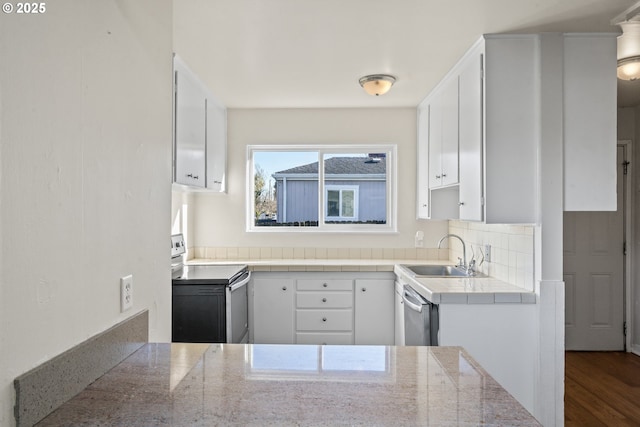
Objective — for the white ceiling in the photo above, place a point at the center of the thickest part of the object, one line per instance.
(311, 53)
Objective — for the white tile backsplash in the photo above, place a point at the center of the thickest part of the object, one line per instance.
(279, 253)
(511, 250)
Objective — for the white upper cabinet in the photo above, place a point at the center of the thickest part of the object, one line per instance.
(503, 83)
(200, 132)
(422, 168)
(511, 128)
(470, 198)
(590, 111)
(216, 145)
(190, 127)
(443, 135)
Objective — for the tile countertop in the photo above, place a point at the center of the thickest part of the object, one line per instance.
(238, 384)
(449, 290)
(465, 290)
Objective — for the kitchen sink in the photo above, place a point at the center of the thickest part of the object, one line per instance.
(440, 271)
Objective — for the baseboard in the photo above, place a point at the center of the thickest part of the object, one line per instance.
(44, 388)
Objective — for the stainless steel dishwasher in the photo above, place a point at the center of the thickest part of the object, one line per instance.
(421, 321)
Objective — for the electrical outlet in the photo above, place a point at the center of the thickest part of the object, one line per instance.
(487, 253)
(126, 293)
(419, 240)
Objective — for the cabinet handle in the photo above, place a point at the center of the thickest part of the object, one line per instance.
(324, 319)
(284, 288)
(460, 203)
(324, 285)
(324, 300)
(437, 176)
(424, 205)
(444, 174)
(364, 289)
(192, 176)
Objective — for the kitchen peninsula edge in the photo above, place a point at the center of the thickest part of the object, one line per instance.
(238, 384)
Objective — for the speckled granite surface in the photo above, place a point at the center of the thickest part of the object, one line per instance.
(41, 390)
(235, 384)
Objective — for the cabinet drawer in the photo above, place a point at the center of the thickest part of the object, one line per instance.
(339, 338)
(325, 285)
(324, 300)
(324, 320)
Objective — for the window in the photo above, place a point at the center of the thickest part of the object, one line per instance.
(321, 188)
(341, 203)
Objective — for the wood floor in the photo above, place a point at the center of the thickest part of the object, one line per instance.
(602, 389)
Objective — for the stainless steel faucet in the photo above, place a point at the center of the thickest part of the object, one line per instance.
(463, 262)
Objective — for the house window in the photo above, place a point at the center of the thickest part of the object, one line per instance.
(321, 188)
(342, 203)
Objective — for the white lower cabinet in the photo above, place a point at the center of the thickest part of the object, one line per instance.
(501, 337)
(321, 338)
(273, 312)
(322, 308)
(374, 314)
(324, 311)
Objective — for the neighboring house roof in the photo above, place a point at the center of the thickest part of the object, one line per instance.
(342, 166)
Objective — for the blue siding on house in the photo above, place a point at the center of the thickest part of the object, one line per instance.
(302, 200)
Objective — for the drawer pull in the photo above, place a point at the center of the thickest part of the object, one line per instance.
(324, 319)
(324, 300)
(284, 288)
(324, 285)
(364, 289)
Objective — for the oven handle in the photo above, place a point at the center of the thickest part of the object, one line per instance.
(241, 283)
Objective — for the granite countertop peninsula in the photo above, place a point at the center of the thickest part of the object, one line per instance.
(244, 384)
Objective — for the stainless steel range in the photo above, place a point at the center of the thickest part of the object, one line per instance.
(209, 302)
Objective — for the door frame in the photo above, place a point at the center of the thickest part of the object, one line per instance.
(629, 259)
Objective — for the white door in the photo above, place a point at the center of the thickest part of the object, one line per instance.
(594, 275)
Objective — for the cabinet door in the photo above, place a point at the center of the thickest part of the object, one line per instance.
(590, 132)
(423, 163)
(374, 312)
(189, 122)
(216, 145)
(273, 311)
(449, 156)
(435, 142)
(470, 98)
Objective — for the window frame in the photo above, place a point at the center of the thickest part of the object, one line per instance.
(391, 225)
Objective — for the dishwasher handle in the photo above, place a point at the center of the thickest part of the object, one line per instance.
(412, 299)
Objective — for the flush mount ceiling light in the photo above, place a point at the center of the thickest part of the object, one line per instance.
(629, 43)
(629, 68)
(377, 84)
(629, 51)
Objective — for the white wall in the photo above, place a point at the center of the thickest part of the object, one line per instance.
(219, 219)
(85, 161)
(628, 129)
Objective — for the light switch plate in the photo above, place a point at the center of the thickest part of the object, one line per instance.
(126, 293)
